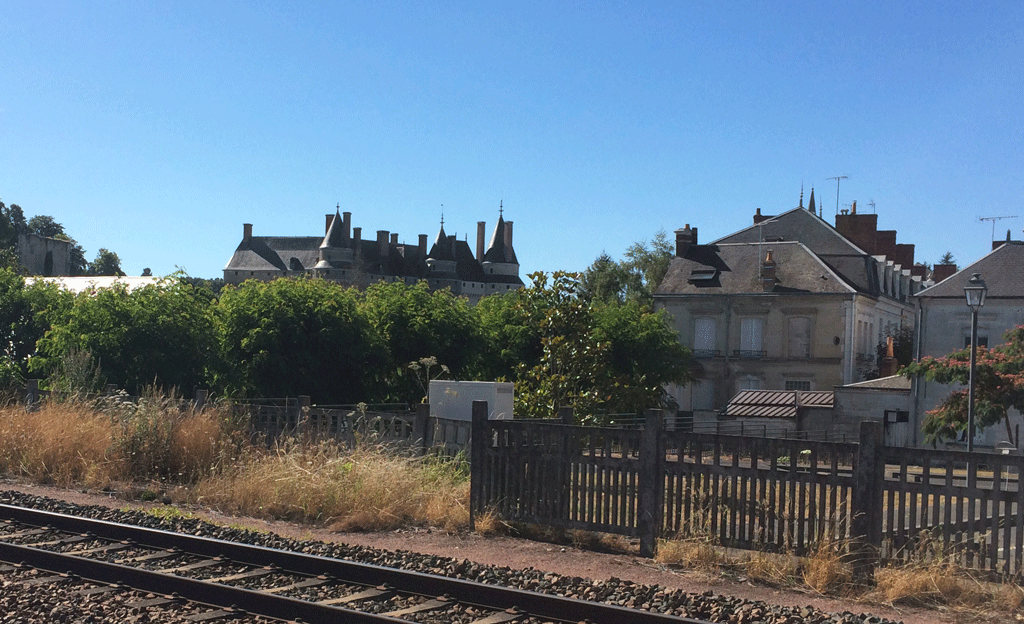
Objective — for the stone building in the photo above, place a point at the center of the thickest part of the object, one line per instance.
(789, 303)
(41, 255)
(343, 255)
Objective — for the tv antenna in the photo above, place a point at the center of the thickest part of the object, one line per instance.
(837, 179)
(993, 220)
(872, 204)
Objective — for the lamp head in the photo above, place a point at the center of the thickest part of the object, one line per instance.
(975, 291)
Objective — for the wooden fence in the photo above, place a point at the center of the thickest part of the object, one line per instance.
(414, 429)
(867, 500)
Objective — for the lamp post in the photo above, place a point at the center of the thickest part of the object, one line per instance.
(975, 290)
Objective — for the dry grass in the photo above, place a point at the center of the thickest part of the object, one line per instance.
(691, 552)
(59, 444)
(368, 488)
(943, 584)
(774, 569)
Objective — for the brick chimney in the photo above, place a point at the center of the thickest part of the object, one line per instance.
(889, 363)
(508, 236)
(382, 243)
(998, 244)
(768, 272)
(328, 218)
(246, 232)
(394, 238)
(481, 232)
(423, 245)
(346, 224)
(685, 238)
(758, 217)
(357, 235)
(942, 271)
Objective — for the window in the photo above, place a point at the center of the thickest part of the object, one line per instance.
(798, 384)
(800, 337)
(896, 416)
(704, 337)
(751, 341)
(750, 382)
(703, 394)
(982, 341)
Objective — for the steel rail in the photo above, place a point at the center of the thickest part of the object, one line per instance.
(493, 597)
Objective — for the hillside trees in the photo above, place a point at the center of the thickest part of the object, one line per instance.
(999, 386)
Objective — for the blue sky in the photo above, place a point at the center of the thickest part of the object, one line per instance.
(155, 129)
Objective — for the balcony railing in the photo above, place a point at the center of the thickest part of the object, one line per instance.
(706, 353)
(749, 354)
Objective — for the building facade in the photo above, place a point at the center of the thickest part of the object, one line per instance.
(790, 303)
(343, 255)
(944, 326)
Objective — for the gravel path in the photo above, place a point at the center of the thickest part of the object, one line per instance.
(529, 564)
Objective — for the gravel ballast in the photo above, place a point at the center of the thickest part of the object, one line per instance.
(704, 606)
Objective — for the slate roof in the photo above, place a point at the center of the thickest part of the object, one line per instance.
(797, 225)
(735, 268)
(496, 250)
(262, 253)
(1002, 269)
(777, 403)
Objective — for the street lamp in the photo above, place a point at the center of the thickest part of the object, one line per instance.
(975, 290)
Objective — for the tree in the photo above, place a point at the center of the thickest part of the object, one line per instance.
(12, 223)
(595, 357)
(413, 322)
(44, 225)
(902, 351)
(999, 386)
(947, 258)
(160, 334)
(106, 263)
(289, 337)
(636, 277)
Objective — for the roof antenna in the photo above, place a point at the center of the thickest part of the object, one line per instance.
(837, 179)
(993, 220)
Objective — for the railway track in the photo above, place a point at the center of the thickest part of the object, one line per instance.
(234, 580)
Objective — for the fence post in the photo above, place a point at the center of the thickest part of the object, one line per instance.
(866, 503)
(302, 415)
(424, 431)
(479, 436)
(31, 394)
(652, 491)
(201, 396)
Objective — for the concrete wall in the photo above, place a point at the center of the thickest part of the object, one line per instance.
(48, 257)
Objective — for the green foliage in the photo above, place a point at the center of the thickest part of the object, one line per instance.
(595, 357)
(413, 322)
(297, 336)
(999, 386)
(44, 225)
(106, 263)
(510, 327)
(160, 334)
(25, 315)
(635, 278)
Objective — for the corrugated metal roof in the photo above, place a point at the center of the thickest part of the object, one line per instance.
(776, 403)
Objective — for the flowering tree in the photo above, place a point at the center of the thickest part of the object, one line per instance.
(998, 386)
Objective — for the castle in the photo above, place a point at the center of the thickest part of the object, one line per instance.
(342, 255)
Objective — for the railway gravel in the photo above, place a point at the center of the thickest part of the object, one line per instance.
(705, 606)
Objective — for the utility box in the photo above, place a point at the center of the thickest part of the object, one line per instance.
(454, 399)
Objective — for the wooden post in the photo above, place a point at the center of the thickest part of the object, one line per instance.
(302, 416)
(565, 458)
(201, 397)
(479, 436)
(424, 432)
(32, 395)
(652, 490)
(866, 503)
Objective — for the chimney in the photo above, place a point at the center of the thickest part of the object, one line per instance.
(853, 209)
(451, 243)
(889, 364)
(423, 245)
(357, 234)
(328, 218)
(768, 272)
(685, 238)
(246, 232)
(346, 223)
(508, 238)
(998, 244)
(758, 217)
(481, 229)
(394, 238)
(942, 271)
(382, 243)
